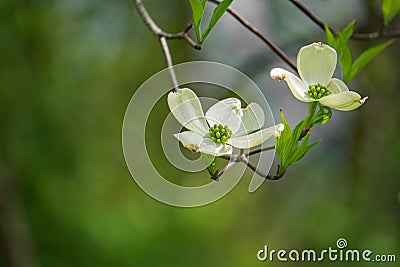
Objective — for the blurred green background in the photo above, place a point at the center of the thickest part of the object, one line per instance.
(68, 70)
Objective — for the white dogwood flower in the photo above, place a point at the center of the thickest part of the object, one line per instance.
(224, 126)
(316, 64)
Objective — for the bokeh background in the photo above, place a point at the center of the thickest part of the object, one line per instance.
(68, 69)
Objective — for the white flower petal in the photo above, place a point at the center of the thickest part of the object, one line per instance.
(337, 86)
(257, 138)
(208, 146)
(316, 63)
(253, 119)
(297, 86)
(199, 143)
(226, 112)
(186, 108)
(344, 101)
(190, 140)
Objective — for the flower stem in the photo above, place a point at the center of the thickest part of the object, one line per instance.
(212, 169)
(312, 107)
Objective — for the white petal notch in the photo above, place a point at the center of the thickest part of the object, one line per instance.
(225, 126)
(316, 64)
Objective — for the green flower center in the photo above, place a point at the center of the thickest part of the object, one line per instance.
(317, 91)
(220, 134)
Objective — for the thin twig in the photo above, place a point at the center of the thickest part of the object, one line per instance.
(355, 36)
(311, 15)
(375, 35)
(242, 157)
(254, 30)
(181, 35)
(163, 36)
(146, 18)
(267, 176)
(190, 41)
(228, 157)
(256, 151)
(168, 60)
(156, 30)
(226, 168)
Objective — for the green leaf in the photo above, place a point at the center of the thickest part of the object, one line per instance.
(348, 31)
(340, 43)
(346, 61)
(212, 161)
(330, 38)
(283, 141)
(303, 148)
(390, 8)
(287, 146)
(343, 36)
(323, 115)
(197, 10)
(283, 144)
(366, 57)
(298, 130)
(218, 12)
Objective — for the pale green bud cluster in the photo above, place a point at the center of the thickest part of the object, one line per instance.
(317, 91)
(220, 134)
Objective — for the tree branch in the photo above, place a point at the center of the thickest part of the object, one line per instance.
(242, 157)
(355, 36)
(254, 30)
(168, 60)
(147, 19)
(156, 30)
(267, 176)
(163, 36)
(227, 167)
(375, 35)
(256, 151)
(311, 15)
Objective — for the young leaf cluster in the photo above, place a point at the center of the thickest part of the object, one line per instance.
(351, 68)
(291, 146)
(198, 7)
(288, 147)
